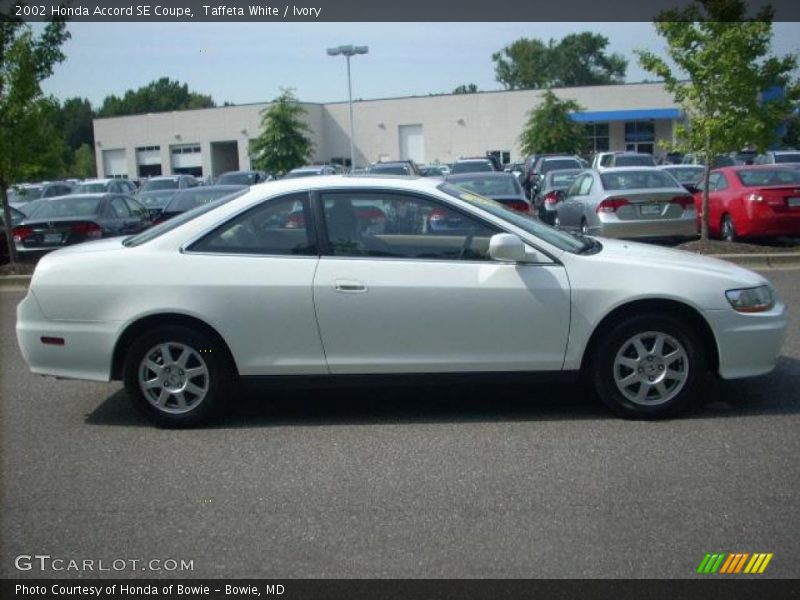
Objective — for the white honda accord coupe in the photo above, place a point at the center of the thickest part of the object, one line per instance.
(335, 277)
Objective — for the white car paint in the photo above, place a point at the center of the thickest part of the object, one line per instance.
(282, 315)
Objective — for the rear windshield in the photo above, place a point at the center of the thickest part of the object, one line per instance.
(765, 177)
(562, 180)
(472, 166)
(68, 207)
(490, 186)
(236, 179)
(165, 226)
(634, 161)
(635, 180)
(160, 184)
(787, 158)
(155, 200)
(90, 188)
(183, 201)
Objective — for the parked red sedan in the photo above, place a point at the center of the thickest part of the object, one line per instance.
(752, 201)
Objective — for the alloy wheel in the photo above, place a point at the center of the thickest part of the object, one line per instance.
(651, 368)
(173, 377)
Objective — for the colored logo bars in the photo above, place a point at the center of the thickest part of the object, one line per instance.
(734, 562)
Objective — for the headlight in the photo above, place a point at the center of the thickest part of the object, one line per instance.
(750, 300)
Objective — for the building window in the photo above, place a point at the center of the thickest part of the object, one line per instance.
(504, 156)
(149, 149)
(640, 131)
(598, 137)
(187, 149)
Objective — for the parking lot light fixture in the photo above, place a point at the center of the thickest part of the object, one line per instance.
(348, 51)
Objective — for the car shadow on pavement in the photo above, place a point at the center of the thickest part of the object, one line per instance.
(775, 393)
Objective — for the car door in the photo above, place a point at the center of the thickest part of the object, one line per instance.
(254, 274)
(572, 209)
(140, 215)
(405, 285)
(717, 187)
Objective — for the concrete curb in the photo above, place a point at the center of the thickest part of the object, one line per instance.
(787, 260)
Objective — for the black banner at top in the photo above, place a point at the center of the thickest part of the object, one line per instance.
(189, 11)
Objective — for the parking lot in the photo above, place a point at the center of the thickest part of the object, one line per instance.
(477, 481)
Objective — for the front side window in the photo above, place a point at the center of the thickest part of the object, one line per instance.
(279, 226)
(397, 225)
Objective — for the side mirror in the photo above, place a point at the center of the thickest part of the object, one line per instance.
(506, 247)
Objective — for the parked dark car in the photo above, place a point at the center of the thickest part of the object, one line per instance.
(502, 187)
(687, 175)
(16, 218)
(157, 191)
(395, 167)
(79, 218)
(101, 186)
(241, 178)
(481, 164)
(194, 197)
(310, 171)
(552, 191)
(551, 162)
(20, 195)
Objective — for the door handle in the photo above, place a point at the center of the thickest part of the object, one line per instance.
(350, 286)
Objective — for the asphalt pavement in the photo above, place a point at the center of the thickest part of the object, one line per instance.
(463, 481)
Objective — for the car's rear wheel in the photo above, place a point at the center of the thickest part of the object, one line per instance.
(556, 222)
(584, 227)
(178, 376)
(647, 366)
(728, 230)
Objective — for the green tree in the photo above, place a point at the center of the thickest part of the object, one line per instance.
(469, 88)
(76, 119)
(578, 59)
(550, 127)
(84, 165)
(28, 139)
(724, 62)
(157, 96)
(283, 144)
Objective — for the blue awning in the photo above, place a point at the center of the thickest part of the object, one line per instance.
(627, 115)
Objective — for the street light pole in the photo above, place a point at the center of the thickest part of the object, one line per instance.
(349, 51)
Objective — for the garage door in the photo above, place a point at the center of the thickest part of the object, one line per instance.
(114, 163)
(412, 143)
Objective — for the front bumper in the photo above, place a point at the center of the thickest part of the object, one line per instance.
(87, 349)
(748, 343)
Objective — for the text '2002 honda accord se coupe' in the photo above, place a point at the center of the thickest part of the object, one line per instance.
(331, 277)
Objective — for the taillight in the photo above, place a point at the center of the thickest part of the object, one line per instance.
(684, 201)
(610, 205)
(755, 198)
(22, 233)
(437, 215)
(518, 205)
(551, 198)
(296, 221)
(90, 230)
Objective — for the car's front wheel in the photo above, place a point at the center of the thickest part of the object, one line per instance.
(178, 377)
(647, 366)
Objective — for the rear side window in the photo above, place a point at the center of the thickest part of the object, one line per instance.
(279, 226)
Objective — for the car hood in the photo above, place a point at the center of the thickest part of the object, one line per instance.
(656, 257)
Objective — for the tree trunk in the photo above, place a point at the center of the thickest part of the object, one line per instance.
(12, 250)
(704, 204)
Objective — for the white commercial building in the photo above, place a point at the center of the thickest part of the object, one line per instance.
(441, 128)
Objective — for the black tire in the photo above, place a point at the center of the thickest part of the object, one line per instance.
(602, 369)
(219, 381)
(727, 230)
(584, 227)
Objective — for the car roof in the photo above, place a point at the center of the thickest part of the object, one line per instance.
(628, 169)
(486, 174)
(213, 188)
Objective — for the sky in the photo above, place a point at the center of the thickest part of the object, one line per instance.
(251, 62)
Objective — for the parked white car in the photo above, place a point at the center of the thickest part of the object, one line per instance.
(339, 276)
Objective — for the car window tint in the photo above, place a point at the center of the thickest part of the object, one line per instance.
(276, 226)
(137, 210)
(118, 207)
(631, 180)
(769, 176)
(76, 206)
(396, 225)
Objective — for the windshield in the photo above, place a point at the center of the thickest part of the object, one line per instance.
(236, 179)
(686, 174)
(472, 166)
(637, 180)
(183, 201)
(90, 188)
(765, 177)
(787, 158)
(25, 194)
(490, 186)
(160, 184)
(75, 206)
(642, 160)
(556, 237)
(566, 163)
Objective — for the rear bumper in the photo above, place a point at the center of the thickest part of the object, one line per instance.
(87, 349)
(748, 344)
(646, 229)
(771, 224)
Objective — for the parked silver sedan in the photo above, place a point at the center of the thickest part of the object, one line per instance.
(628, 202)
